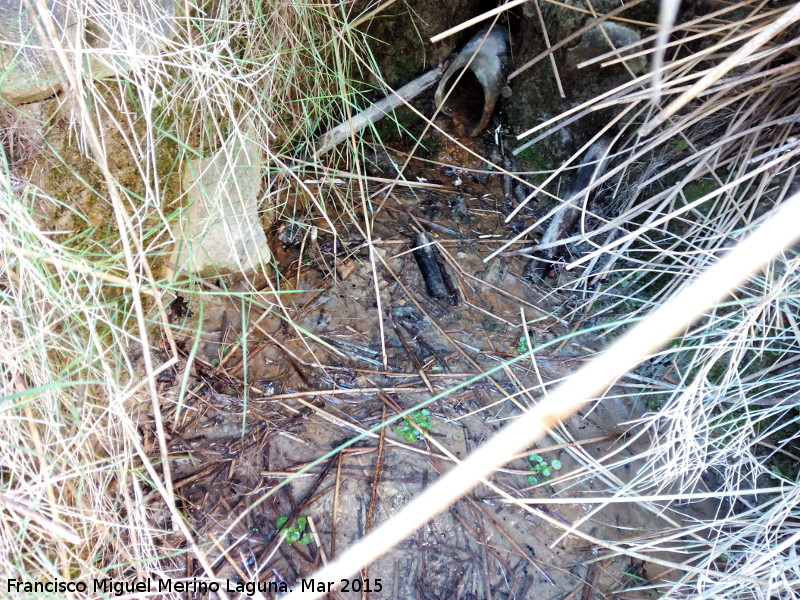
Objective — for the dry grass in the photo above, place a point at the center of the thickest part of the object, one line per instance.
(73, 502)
(703, 158)
(82, 309)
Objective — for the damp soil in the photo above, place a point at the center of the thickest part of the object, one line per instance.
(335, 354)
(355, 345)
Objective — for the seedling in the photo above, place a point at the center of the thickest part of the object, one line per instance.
(541, 469)
(408, 432)
(222, 354)
(522, 346)
(295, 533)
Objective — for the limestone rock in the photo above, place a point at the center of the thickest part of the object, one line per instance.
(219, 230)
(110, 37)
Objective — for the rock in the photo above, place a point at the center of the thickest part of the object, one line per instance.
(594, 43)
(220, 231)
(111, 40)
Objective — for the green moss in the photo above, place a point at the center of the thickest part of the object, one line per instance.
(716, 374)
(405, 127)
(432, 146)
(694, 190)
(538, 157)
(656, 402)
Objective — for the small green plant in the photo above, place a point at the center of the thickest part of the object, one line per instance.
(408, 432)
(222, 354)
(522, 346)
(295, 533)
(679, 145)
(541, 469)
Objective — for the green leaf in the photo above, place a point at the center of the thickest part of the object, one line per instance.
(407, 432)
(302, 522)
(556, 464)
(532, 480)
(421, 418)
(547, 471)
(535, 458)
(292, 535)
(306, 539)
(281, 522)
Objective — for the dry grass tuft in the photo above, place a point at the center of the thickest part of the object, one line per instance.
(72, 496)
(702, 159)
(81, 308)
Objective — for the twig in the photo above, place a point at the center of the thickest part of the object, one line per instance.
(336, 489)
(547, 43)
(370, 14)
(373, 497)
(330, 139)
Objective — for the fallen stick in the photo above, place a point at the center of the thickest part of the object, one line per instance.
(332, 138)
(592, 166)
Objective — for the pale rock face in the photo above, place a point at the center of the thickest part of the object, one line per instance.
(219, 231)
(101, 38)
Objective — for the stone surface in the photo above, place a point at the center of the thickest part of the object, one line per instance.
(399, 36)
(594, 43)
(536, 96)
(110, 40)
(220, 231)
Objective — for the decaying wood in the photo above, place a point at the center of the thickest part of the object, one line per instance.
(592, 166)
(429, 266)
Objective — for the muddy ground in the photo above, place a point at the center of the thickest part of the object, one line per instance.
(314, 378)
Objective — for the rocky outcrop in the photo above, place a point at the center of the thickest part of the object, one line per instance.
(399, 37)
